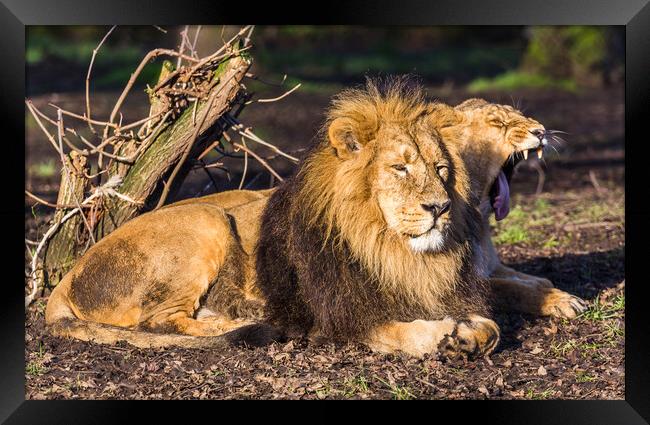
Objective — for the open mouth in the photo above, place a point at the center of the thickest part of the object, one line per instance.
(500, 190)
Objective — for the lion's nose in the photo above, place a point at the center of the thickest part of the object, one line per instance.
(437, 208)
(540, 133)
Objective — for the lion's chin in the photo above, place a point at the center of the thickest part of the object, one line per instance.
(431, 241)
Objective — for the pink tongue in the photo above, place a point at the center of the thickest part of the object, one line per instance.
(501, 202)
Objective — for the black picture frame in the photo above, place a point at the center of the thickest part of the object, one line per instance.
(633, 14)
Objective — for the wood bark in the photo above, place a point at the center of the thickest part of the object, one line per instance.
(143, 180)
(68, 241)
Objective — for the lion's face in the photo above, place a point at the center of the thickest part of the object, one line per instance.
(491, 138)
(498, 133)
(509, 130)
(408, 178)
(408, 174)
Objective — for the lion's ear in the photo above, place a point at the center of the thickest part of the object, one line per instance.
(441, 115)
(343, 137)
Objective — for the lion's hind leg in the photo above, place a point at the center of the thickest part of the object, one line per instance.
(514, 295)
(474, 337)
(504, 272)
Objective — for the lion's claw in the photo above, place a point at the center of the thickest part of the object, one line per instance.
(563, 305)
(473, 338)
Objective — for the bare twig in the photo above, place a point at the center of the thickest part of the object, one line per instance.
(49, 204)
(40, 124)
(142, 121)
(247, 40)
(94, 149)
(259, 159)
(182, 46)
(90, 68)
(82, 117)
(594, 182)
(208, 149)
(239, 128)
(268, 83)
(243, 176)
(205, 167)
(213, 57)
(216, 54)
(29, 298)
(196, 39)
(275, 99)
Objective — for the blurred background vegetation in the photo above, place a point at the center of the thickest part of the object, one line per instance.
(569, 77)
(476, 58)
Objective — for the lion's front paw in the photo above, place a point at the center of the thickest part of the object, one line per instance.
(473, 338)
(561, 304)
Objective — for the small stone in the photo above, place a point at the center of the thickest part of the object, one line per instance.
(541, 371)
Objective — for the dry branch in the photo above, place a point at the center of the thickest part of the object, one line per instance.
(191, 106)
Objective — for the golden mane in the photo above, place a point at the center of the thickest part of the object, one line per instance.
(334, 196)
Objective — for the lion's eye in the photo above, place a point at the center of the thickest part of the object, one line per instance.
(443, 171)
(399, 167)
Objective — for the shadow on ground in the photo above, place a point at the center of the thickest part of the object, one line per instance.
(581, 274)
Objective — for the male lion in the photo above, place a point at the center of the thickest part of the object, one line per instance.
(373, 237)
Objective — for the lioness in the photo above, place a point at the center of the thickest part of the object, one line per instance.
(492, 139)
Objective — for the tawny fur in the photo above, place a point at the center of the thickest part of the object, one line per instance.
(328, 261)
(148, 278)
(485, 135)
(115, 304)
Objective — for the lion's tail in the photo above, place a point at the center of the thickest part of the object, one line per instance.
(109, 334)
(61, 321)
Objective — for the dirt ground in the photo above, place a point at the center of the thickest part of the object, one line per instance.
(573, 233)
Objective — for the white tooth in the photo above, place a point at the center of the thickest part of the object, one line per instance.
(525, 154)
(539, 153)
(544, 141)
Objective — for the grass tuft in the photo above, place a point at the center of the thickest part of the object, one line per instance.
(398, 392)
(599, 311)
(34, 368)
(355, 385)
